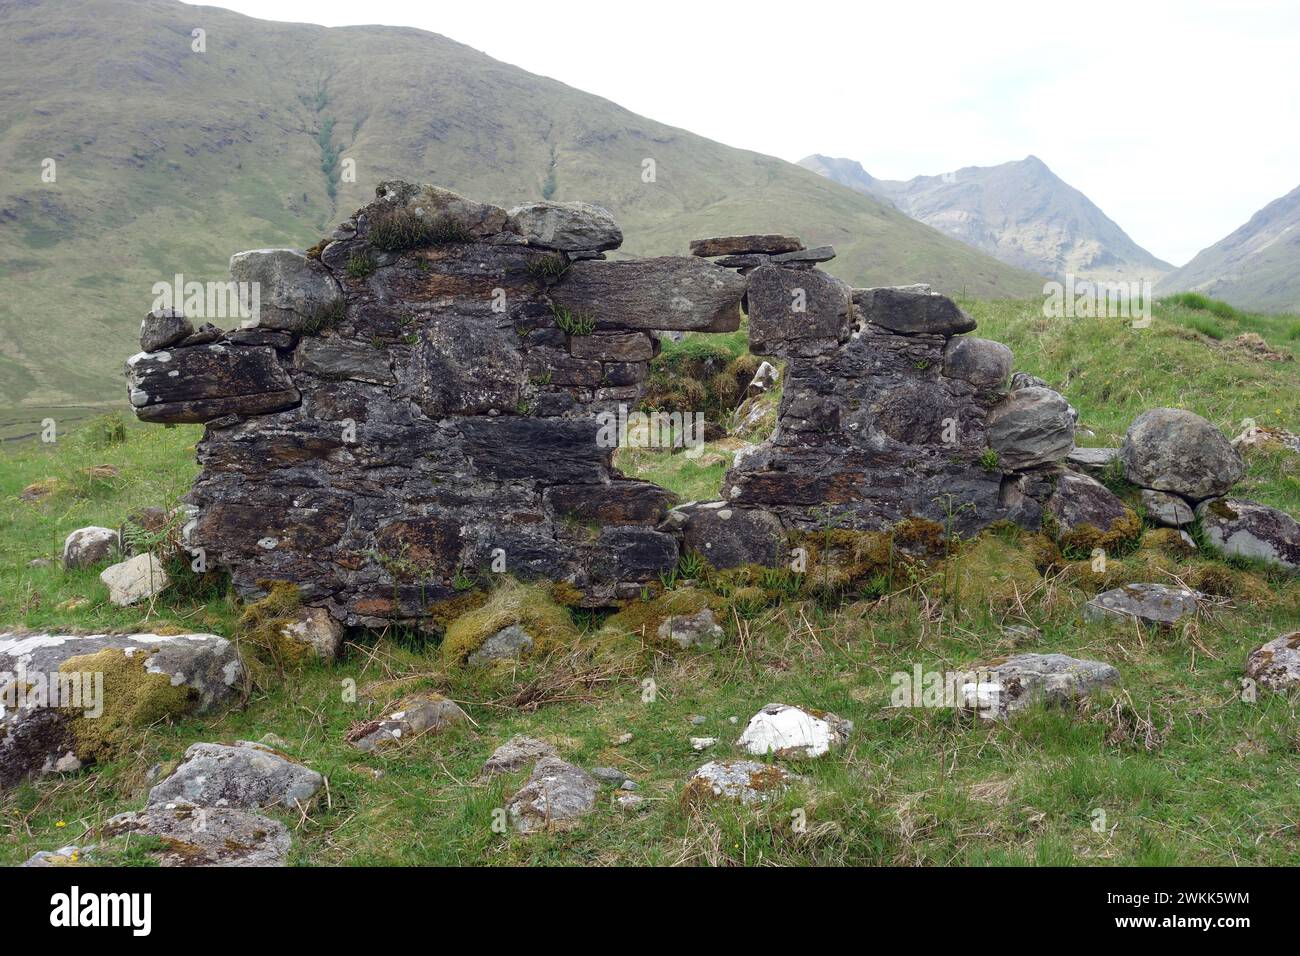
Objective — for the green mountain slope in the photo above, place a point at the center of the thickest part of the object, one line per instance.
(167, 160)
(1256, 267)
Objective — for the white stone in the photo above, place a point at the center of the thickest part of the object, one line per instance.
(790, 732)
(134, 579)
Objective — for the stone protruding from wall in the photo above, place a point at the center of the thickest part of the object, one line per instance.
(425, 400)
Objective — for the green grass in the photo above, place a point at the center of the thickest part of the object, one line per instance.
(1184, 771)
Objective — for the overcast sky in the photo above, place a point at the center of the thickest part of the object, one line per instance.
(1180, 120)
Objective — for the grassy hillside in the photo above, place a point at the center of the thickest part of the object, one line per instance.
(1184, 771)
(1255, 267)
(168, 160)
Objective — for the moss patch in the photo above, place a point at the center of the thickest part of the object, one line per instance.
(531, 606)
(642, 618)
(133, 700)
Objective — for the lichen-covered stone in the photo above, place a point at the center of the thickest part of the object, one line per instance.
(244, 776)
(1246, 529)
(1088, 515)
(1167, 509)
(204, 836)
(515, 754)
(796, 309)
(420, 714)
(206, 382)
(1002, 688)
(87, 547)
(566, 226)
(700, 629)
(1170, 449)
(1276, 665)
(745, 245)
(1155, 604)
(555, 796)
(747, 781)
(143, 678)
(729, 537)
(982, 362)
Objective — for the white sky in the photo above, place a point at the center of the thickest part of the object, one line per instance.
(1180, 120)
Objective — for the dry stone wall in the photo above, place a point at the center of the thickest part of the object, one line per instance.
(423, 400)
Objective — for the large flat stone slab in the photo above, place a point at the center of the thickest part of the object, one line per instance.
(676, 293)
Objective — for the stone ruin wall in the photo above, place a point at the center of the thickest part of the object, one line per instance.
(420, 395)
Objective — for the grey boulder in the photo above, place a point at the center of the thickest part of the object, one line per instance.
(1246, 529)
(1166, 509)
(293, 290)
(1155, 604)
(205, 836)
(981, 362)
(1276, 665)
(508, 644)
(1000, 690)
(162, 328)
(245, 776)
(566, 226)
(691, 630)
(1080, 501)
(87, 547)
(1170, 449)
(1031, 427)
(747, 781)
(516, 754)
(422, 714)
(555, 795)
(135, 579)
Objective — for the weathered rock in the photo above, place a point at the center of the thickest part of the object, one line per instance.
(422, 714)
(64, 856)
(1246, 529)
(730, 537)
(1091, 461)
(789, 308)
(1003, 688)
(1276, 665)
(516, 754)
(87, 547)
(1031, 427)
(206, 382)
(135, 579)
(1166, 509)
(745, 780)
(804, 256)
(911, 313)
(982, 362)
(1081, 503)
(555, 795)
(247, 776)
(613, 347)
(317, 631)
(611, 776)
(205, 836)
(163, 327)
(566, 226)
(792, 733)
(294, 292)
(670, 292)
(1169, 449)
(508, 644)
(338, 358)
(691, 630)
(745, 245)
(1155, 604)
(36, 738)
(441, 210)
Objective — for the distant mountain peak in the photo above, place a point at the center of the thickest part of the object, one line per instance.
(1019, 211)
